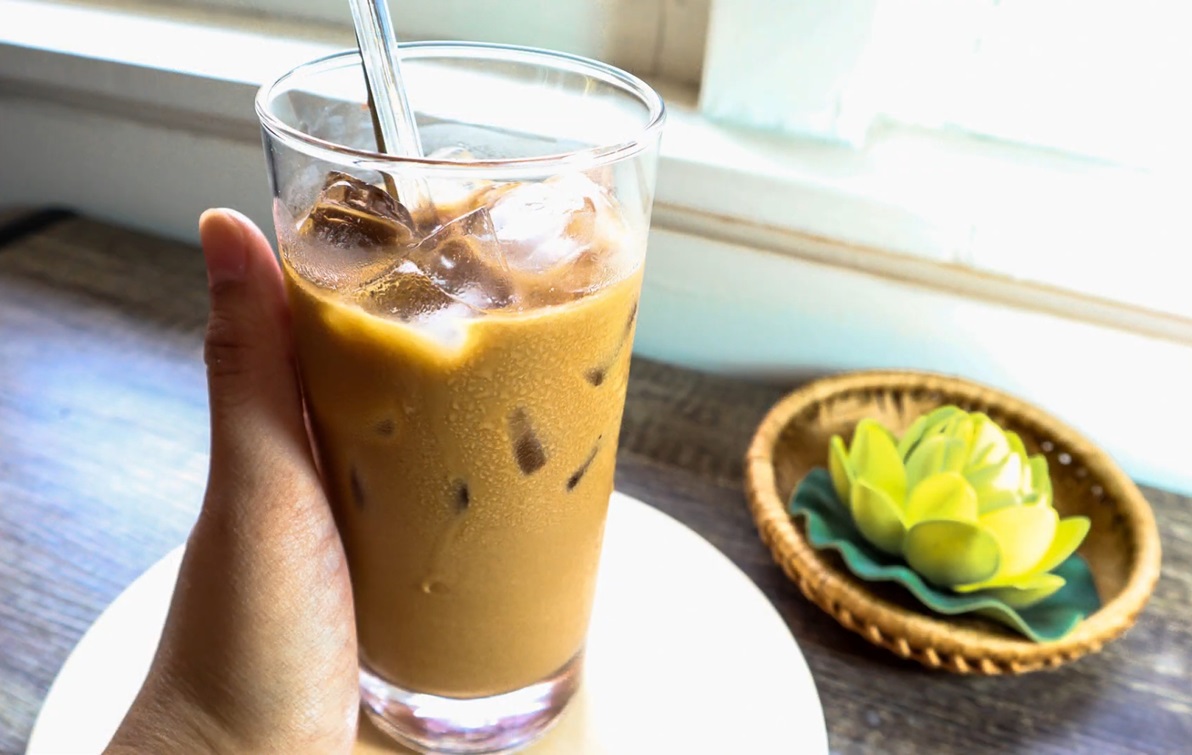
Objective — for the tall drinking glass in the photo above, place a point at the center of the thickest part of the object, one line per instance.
(463, 325)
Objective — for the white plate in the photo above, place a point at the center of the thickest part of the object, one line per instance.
(685, 655)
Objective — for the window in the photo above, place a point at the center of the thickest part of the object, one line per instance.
(647, 37)
(956, 185)
(994, 135)
(1099, 78)
(1095, 78)
(1038, 139)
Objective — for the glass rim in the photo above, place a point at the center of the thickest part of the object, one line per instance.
(583, 159)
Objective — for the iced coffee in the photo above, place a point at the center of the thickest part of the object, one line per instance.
(465, 389)
(463, 325)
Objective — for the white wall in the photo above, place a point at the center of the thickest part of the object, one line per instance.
(739, 310)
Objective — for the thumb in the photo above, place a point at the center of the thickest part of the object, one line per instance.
(262, 482)
(259, 642)
(250, 370)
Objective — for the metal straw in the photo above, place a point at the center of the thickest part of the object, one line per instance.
(393, 118)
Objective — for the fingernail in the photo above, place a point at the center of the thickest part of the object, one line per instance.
(223, 245)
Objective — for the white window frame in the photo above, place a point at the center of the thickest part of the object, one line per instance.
(768, 255)
(648, 37)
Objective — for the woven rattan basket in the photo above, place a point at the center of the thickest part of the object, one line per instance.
(1122, 547)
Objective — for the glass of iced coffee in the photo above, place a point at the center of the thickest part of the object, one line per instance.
(463, 325)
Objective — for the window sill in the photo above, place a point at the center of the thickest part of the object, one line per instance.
(767, 256)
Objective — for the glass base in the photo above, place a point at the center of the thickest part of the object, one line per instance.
(465, 726)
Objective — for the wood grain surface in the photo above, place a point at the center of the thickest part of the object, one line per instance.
(103, 438)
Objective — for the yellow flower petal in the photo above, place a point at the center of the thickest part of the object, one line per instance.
(874, 457)
(1069, 534)
(935, 454)
(1023, 534)
(991, 502)
(1016, 444)
(1019, 449)
(1004, 476)
(912, 436)
(877, 517)
(989, 444)
(951, 553)
(924, 425)
(942, 496)
(963, 428)
(1040, 498)
(1040, 475)
(838, 467)
(1027, 591)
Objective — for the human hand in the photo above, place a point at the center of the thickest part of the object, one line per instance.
(258, 653)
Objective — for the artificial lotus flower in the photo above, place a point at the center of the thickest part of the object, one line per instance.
(961, 501)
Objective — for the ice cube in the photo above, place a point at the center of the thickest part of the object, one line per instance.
(453, 197)
(589, 270)
(448, 326)
(578, 475)
(402, 293)
(527, 447)
(464, 259)
(351, 212)
(353, 232)
(407, 295)
(566, 227)
(463, 497)
(451, 277)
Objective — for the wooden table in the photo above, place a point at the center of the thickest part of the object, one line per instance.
(103, 438)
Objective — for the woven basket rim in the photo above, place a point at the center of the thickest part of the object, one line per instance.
(934, 640)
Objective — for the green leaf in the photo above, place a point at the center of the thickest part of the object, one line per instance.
(874, 457)
(838, 465)
(877, 517)
(829, 526)
(951, 553)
